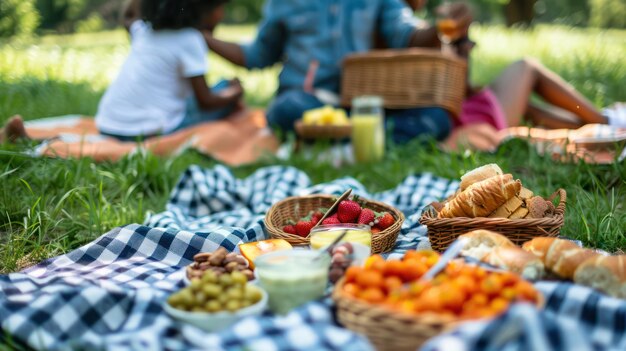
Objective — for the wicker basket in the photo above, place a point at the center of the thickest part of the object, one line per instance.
(300, 206)
(406, 78)
(322, 132)
(443, 231)
(387, 329)
(391, 330)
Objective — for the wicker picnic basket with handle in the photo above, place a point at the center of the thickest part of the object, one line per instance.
(406, 78)
(443, 231)
(322, 131)
(296, 207)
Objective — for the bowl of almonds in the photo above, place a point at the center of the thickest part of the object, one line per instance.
(220, 261)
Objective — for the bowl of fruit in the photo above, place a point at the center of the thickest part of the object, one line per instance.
(215, 302)
(293, 218)
(324, 123)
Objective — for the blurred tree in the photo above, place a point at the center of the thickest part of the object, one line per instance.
(244, 11)
(519, 12)
(17, 17)
(608, 13)
(58, 14)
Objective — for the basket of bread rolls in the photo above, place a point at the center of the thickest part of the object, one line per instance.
(490, 199)
(550, 258)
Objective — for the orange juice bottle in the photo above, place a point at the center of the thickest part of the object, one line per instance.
(368, 128)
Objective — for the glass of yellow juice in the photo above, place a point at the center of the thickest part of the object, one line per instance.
(368, 128)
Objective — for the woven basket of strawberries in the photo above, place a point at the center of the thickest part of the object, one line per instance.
(293, 218)
(387, 302)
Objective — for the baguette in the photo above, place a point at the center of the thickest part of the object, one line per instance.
(558, 255)
(479, 174)
(482, 198)
(481, 242)
(508, 208)
(516, 260)
(604, 273)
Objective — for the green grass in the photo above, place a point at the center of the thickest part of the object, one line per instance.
(50, 206)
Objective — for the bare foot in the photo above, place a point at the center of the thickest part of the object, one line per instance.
(14, 130)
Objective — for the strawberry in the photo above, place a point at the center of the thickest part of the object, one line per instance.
(385, 221)
(316, 216)
(366, 217)
(291, 229)
(348, 211)
(331, 220)
(303, 228)
(375, 230)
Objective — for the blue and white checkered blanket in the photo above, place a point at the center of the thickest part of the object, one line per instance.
(109, 293)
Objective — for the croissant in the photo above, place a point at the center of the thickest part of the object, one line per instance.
(482, 198)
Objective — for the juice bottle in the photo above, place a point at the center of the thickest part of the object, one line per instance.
(368, 128)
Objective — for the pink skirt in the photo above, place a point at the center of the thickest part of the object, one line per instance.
(482, 107)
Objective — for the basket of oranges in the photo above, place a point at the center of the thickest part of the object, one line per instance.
(385, 300)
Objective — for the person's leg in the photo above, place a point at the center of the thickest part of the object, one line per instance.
(552, 117)
(514, 86)
(424, 122)
(288, 107)
(13, 130)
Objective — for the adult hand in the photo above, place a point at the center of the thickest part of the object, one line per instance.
(461, 13)
(235, 89)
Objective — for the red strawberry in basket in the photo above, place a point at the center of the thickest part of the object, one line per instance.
(303, 228)
(366, 217)
(331, 220)
(385, 221)
(291, 229)
(348, 211)
(316, 216)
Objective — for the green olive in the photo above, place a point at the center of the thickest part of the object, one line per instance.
(196, 284)
(252, 294)
(186, 297)
(200, 298)
(223, 298)
(213, 306)
(239, 278)
(234, 293)
(209, 277)
(226, 280)
(197, 309)
(212, 290)
(233, 305)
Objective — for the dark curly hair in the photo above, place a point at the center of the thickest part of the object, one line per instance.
(177, 14)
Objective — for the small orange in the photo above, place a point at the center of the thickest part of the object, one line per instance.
(372, 295)
(491, 285)
(352, 272)
(509, 279)
(499, 304)
(393, 267)
(431, 299)
(465, 283)
(392, 283)
(367, 279)
(452, 299)
(431, 260)
(374, 262)
(412, 270)
(351, 289)
(526, 291)
(479, 299)
(508, 293)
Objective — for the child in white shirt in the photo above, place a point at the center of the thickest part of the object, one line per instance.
(161, 87)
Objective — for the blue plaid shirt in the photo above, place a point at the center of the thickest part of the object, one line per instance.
(299, 32)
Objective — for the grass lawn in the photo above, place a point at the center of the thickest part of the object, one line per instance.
(49, 206)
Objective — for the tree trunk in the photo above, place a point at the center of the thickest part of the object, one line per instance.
(519, 11)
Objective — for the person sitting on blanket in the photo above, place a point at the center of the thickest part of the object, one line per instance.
(506, 101)
(311, 38)
(161, 87)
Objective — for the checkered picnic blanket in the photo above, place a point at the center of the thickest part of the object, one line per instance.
(109, 293)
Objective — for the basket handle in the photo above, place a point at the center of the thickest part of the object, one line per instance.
(562, 200)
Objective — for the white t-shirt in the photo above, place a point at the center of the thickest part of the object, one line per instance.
(149, 94)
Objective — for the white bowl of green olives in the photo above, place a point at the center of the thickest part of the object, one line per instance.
(215, 302)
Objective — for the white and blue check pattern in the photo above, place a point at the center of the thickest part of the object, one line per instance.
(109, 293)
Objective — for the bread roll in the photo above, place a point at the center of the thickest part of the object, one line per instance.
(481, 242)
(482, 198)
(605, 273)
(538, 207)
(479, 174)
(517, 261)
(510, 206)
(558, 255)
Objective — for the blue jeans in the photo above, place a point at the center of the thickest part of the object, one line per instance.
(193, 115)
(404, 125)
